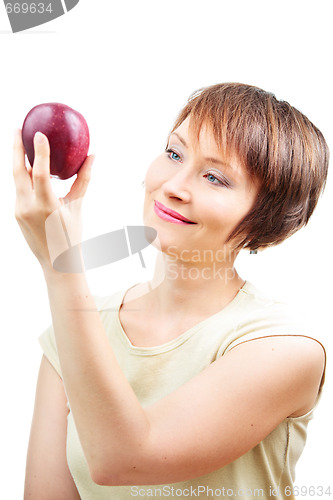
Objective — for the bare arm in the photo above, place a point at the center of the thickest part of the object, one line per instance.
(47, 473)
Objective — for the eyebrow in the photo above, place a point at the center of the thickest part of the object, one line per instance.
(180, 138)
(216, 161)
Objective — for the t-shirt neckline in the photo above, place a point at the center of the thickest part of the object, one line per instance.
(173, 343)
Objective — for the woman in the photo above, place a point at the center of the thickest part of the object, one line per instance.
(195, 384)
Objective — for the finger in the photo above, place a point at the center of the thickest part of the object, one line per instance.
(82, 180)
(41, 167)
(29, 170)
(21, 176)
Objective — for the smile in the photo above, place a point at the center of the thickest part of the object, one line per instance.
(170, 215)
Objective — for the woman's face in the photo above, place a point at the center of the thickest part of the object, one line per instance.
(194, 180)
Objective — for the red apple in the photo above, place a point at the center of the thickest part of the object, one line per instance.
(67, 132)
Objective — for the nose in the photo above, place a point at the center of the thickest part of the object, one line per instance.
(179, 186)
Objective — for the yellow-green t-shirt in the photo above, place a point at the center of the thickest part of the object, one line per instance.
(267, 470)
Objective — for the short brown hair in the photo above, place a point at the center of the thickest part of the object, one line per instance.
(277, 144)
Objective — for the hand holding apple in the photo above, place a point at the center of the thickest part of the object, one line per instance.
(35, 201)
(67, 133)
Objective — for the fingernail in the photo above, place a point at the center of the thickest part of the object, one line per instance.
(39, 138)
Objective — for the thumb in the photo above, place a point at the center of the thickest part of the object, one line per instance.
(41, 166)
(42, 152)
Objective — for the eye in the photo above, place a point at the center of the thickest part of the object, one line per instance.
(215, 180)
(172, 155)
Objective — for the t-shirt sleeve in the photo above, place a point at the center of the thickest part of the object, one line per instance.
(276, 319)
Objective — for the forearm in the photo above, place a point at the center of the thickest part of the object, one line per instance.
(110, 421)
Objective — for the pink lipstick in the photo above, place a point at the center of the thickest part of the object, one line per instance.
(170, 215)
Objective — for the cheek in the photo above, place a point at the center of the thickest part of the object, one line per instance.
(240, 206)
(152, 182)
(155, 175)
(227, 211)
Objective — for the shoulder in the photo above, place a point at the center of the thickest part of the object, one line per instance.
(262, 316)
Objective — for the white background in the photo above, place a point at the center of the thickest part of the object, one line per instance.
(128, 67)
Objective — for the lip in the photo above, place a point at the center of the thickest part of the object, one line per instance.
(170, 215)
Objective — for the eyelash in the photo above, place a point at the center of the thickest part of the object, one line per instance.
(221, 182)
(171, 152)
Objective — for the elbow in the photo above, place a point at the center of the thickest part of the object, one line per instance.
(130, 465)
(105, 473)
(103, 477)
(115, 474)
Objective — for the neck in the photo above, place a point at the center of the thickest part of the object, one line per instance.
(189, 287)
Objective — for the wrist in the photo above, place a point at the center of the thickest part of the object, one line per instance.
(67, 264)
(68, 292)
(55, 278)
